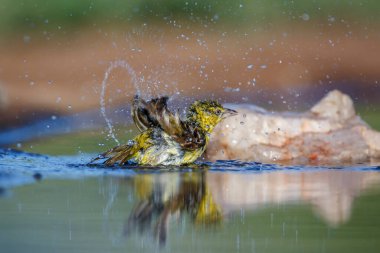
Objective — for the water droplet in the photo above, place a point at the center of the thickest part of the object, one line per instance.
(331, 19)
(250, 66)
(26, 38)
(305, 17)
(53, 117)
(229, 89)
(241, 122)
(69, 107)
(18, 145)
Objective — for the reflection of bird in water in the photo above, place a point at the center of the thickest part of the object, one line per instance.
(165, 139)
(161, 200)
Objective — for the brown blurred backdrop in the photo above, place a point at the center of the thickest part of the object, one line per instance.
(282, 55)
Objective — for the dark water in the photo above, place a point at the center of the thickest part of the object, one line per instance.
(59, 204)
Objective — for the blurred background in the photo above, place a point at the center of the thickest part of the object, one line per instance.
(60, 60)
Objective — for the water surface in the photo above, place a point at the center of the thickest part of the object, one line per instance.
(59, 204)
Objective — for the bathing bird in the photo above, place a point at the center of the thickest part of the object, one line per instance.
(166, 139)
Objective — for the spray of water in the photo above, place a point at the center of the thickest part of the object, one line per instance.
(113, 65)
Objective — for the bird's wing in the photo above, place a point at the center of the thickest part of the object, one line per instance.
(155, 113)
(119, 154)
(142, 115)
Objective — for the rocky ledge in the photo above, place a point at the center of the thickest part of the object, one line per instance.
(329, 133)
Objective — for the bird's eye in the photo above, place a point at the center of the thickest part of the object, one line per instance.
(218, 111)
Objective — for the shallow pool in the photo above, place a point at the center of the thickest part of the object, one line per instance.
(59, 204)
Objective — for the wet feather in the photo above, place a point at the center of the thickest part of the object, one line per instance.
(165, 139)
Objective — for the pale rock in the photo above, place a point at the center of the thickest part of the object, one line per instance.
(329, 133)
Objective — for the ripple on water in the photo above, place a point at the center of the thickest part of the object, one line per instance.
(17, 167)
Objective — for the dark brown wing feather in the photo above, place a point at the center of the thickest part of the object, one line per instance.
(142, 115)
(119, 154)
(155, 113)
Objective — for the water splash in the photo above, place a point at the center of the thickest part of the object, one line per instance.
(113, 65)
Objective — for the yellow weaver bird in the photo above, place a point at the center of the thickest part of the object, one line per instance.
(165, 139)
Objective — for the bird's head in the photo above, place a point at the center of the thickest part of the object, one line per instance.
(207, 114)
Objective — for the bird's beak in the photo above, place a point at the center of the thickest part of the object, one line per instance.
(229, 113)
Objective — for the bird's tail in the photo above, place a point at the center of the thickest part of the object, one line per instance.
(119, 154)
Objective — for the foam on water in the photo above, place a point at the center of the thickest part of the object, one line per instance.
(134, 80)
